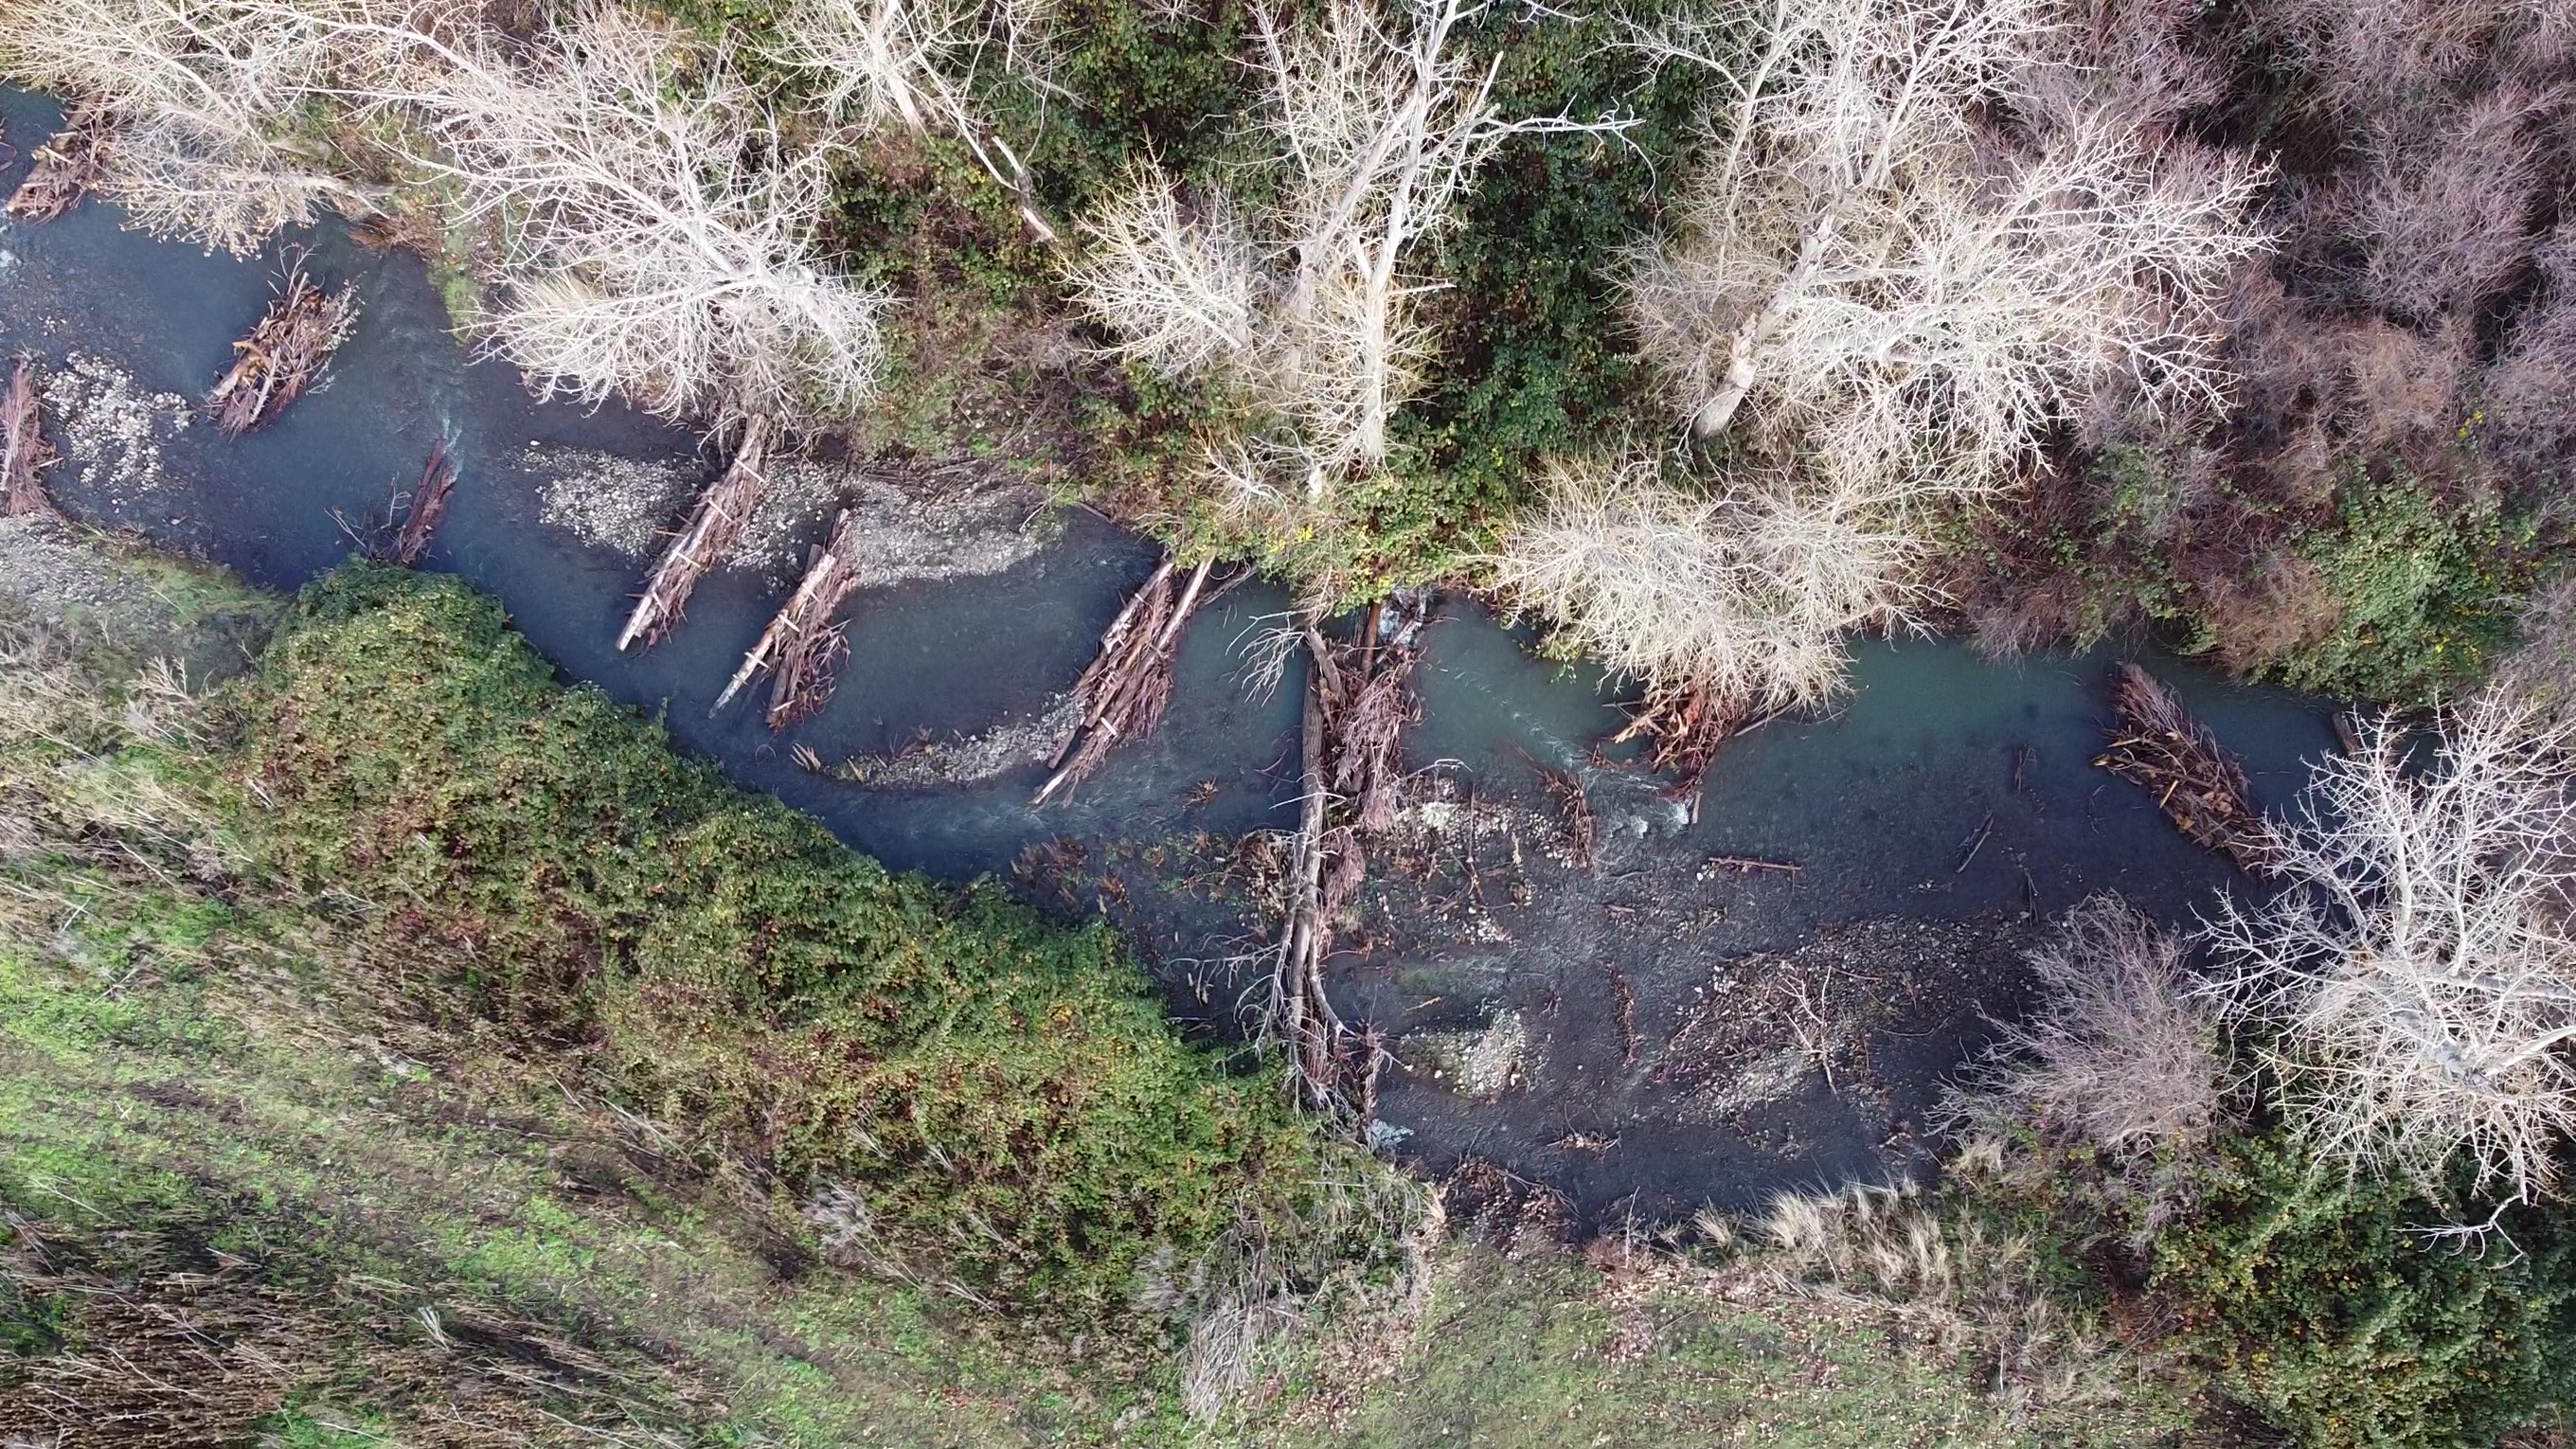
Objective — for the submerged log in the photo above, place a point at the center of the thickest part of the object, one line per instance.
(283, 354)
(2197, 783)
(715, 524)
(1125, 690)
(803, 644)
(24, 453)
(423, 511)
(68, 164)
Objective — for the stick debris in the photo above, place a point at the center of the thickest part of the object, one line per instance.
(715, 525)
(804, 644)
(2197, 783)
(68, 164)
(425, 508)
(1128, 686)
(283, 354)
(24, 453)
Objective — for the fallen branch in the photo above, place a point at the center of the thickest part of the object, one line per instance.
(68, 164)
(2197, 783)
(283, 354)
(1747, 864)
(715, 524)
(424, 510)
(24, 453)
(803, 643)
(1125, 690)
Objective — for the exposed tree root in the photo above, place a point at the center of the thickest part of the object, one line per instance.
(24, 453)
(1359, 699)
(424, 509)
(803, 644)
(2196, 781)
(283, 354)
(1126, 689)
(714, 525)
(68, 164)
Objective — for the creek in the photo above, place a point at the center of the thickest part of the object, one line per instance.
(1639, 1037)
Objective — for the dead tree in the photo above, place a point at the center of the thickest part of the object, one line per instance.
(1374, 124)
(803, 644)
(1125, 690)
(283, 354)
(2197, 783)
(68, 164)
(1359, 699)
(424, 509)
(2417, 980)
(24, 453)
(714, 526)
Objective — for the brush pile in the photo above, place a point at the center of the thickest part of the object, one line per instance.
(714, 526)
(2197, 783)
(67, 166)
(803, 644)
(1683, 726)
(24, 453)
(283, 354)
(1126, 689)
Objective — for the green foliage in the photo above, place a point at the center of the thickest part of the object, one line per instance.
(2323, 1305)
(2427, 592)
(1004, 1096)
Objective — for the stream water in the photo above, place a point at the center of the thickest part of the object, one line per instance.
(1641, 1037)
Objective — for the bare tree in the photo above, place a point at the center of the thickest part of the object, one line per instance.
(1375, 129)
(914, 63)
(1870, 270)
(2116, 1054)
(204, 103)
(2420, 970)
(659, 231)
(1748, 593)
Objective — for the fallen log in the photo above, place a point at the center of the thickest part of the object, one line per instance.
(803, 645)
(24, 453)
(2197, 783)
(425, 509)
(283, 354)
(1128, 685)
(68, 164)
(715, 524)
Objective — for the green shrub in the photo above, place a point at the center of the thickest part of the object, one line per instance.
(2428, 593)
(2321, 1303)
(1003, 1096)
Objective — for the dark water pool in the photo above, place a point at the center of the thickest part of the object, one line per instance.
(1595, 987)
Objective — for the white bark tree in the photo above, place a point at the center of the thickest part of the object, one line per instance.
(658, 230)
(914, 63)
(2420, 969)
(1376, 128)
(1749, 593)
(204, 98)
(1870, 271)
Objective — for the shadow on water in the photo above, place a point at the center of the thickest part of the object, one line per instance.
(1575, 1026)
